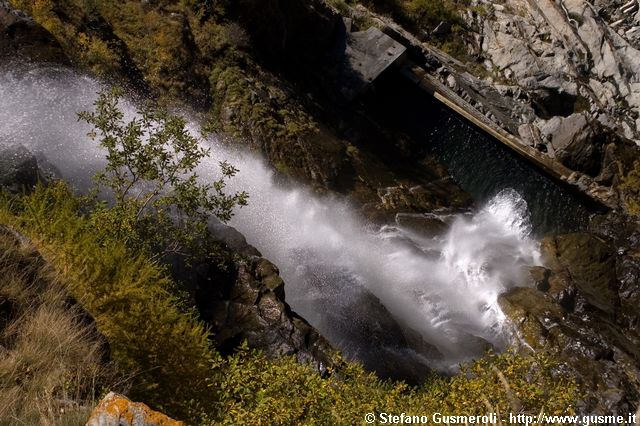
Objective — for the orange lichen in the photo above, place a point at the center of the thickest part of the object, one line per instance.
(116, 409)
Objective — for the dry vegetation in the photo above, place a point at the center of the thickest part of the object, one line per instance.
(52, 359)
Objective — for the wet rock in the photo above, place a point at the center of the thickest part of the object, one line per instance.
(425, 224)
(585, 316)
(232, 238)
(534, 313)
(354, 320)
(244, 300)
(429, 197)
(19, 169)
(117, 410)
(590, 263)
(540, 277)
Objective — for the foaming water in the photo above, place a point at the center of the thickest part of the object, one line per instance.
(382, 295)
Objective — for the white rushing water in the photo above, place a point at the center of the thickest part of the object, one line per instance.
(444, 287)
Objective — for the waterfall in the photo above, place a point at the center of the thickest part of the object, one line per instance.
(372, 291)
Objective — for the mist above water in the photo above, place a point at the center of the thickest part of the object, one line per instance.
(382, 295)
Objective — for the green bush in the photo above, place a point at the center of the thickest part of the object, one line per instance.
(416, 15)
(253, 390)
(88, 50)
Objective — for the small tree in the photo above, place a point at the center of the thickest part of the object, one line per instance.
(159, 203)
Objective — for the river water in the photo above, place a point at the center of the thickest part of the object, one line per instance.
(481, 165)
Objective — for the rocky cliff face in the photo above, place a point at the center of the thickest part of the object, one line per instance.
(562, 76)
(567, 56)
(572, 68)
(21, 37)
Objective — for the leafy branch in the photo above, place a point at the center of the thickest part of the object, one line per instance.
(159, 201)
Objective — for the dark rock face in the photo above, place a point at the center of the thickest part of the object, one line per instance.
(21, 37)
(244, 299)
(19, 169)
(585, 311)
(284, 28)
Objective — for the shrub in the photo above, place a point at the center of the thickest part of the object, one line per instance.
(88, 50)
(253, 390)
(159, 202)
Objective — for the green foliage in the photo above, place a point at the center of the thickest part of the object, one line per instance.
(503, 383)
(157, 38)
(88, 50)
(417, 15)
(428, 14)
(154, 338)
(253, 390)
(151, 161)
(480, 10)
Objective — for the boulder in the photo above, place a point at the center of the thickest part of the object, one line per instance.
(534, 313)
(231, 237)
(540, 278)
(590, 263)
(19, 169)
(428, 197)
(117, 410)
(428, 225)
(574, 142)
